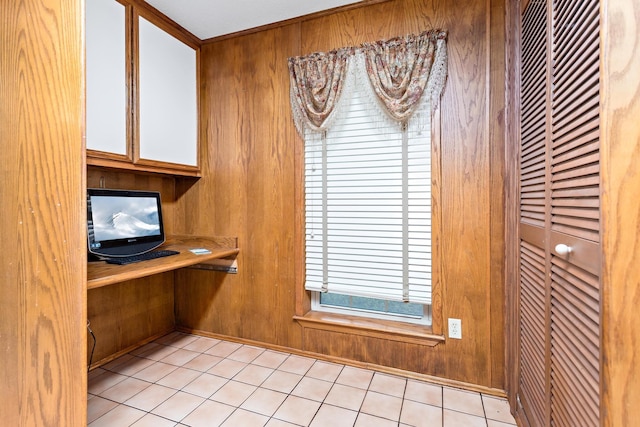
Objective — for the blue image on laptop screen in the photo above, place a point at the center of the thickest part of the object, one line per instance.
(124, 217)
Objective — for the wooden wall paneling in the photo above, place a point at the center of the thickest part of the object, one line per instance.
(129, 313)
(205, 313)
(437, 321)
(248, 185)
(466, 190)
(246, 189)
(620, 210)
(496, 89)
(375, 22)
(43, 258)
(372, 351)
(302, 298)
(512, 202)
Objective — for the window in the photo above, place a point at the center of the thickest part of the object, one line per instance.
(368, 211)
(364, 114)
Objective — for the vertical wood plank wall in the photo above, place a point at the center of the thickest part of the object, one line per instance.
(620, 171)
(249, 187)
(512, 202)
(42, 257)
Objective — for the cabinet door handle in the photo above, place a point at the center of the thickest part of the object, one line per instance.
(562, 249)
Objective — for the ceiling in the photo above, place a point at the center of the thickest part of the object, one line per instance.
(211, 18)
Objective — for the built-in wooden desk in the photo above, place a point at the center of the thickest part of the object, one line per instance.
(100, 273)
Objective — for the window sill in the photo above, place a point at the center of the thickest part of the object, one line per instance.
(375, 328)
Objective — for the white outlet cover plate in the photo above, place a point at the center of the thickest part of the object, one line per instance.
(455, 328)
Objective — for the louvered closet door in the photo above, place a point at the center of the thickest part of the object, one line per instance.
(560, 292)
(575, 208)
(533, 213)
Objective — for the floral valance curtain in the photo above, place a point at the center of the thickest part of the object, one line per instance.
(400, 71)
(317, 81)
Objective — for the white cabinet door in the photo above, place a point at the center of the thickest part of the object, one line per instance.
(168, 110)
(106, 91)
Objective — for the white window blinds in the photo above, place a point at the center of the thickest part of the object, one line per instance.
(368, 203)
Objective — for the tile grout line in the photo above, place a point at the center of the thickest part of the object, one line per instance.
(179, 342)
(442, 405)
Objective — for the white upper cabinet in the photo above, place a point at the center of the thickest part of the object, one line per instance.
(142, 90)
(106, 91)
(168, 102)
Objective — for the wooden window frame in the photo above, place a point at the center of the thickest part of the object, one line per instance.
(428, 335)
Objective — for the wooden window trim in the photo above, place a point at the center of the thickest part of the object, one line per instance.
(390, 330)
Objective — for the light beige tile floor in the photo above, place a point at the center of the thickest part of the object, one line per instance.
(188, 380)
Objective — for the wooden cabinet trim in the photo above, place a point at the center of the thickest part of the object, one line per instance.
(113, 161)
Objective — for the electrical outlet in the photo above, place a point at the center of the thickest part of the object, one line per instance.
(455, 328)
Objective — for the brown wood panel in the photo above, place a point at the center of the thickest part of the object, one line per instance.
(42, 297)
(125, 314)
(620, 152)
(372, 350)
(250, 187)
(512, 217)
(497, 150)
(247, 189)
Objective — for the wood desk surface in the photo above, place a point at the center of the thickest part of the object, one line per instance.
(100, 273)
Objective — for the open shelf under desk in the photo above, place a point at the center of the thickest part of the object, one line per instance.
(100, 273)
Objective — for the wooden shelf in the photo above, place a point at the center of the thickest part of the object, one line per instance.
(123, 164)
(102, 274)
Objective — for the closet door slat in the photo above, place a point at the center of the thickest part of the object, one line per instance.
(533, 336)
(533, 121)
(575, 336)
(575, 160)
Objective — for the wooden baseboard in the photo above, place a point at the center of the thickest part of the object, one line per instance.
(384, 369)
(122, 352)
